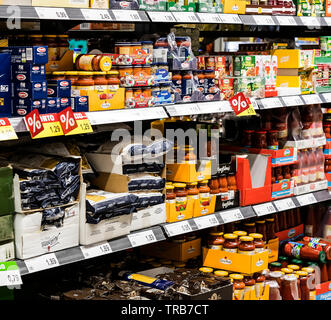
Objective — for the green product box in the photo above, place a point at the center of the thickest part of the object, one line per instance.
(6, 191)
(325, 43)
(206, 6)
(250, 87)
(153, 5)
(180, 6)
(304, 8)
(318, 9)
(6, 228)
(244, 66)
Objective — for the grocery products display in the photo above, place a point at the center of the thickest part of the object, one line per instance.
(165, 150)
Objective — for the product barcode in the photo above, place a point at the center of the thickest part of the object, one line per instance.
(28, 54)
(85, 26)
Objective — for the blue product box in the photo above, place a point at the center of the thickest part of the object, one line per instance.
(28, 72)
(35, 54)
(79, 104)
(59, 88)
(53, 105)
(34, 90)
(5, 85)
(64, 103)
(162, 74)
(21, 107)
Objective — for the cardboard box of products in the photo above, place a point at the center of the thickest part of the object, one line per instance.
(290, 233)
(6, 191)
(61, 3)
(174, 251)
(5, 85)
(64, 64)
(272, 247)
(180, 211)
(282, 189)
(99, 4)
(234, 6)
(203, 206)
(31, 241)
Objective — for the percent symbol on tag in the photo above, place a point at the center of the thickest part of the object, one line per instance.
(67, 120)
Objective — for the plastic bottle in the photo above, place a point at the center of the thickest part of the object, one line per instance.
(320, 175)
(305, 168)
(318, 122)
(312, 165)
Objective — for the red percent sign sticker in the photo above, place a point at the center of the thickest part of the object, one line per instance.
(33, 123)
(239, 103)
(67, 120)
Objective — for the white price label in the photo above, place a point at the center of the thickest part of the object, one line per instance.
(311, 98)
(126, 15)
(43, 262)
(186, 17)
(232, 215)
(96, 250)
(96, 15)
(183, 109)
(269, 103)
(157, 16)
(286, 21)
(306, 199)
(327, 20)
(206, 221)
(310, 21)
(264, 20)
(52, 13)
(291, 101)
(178, 228)
(284, 204)
(209, 17)
(327, 96)
(154, 113)
(142, 238)
(10, 278)
(230, 18)
(264, 209)
(210, 107)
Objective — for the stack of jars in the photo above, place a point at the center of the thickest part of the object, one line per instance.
(261, 139)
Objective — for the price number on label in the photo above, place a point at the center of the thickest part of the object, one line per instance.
(306, 199)
(284, 204)
(96, 15)
(269, 103)
(96, 250)
(9, 274)
(52, 13)
(264, 20)
(206, 221)
(42, 263)
(232, 215)
(178, 228)
(13, 278)
(55, 128)
(7, 132)
(186, 17)
(161, 16)
(291, 101)
(286, 21)
(264, 208)
(142, 238)
(126, 15)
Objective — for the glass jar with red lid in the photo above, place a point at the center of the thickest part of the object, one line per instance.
(272, 140)
(215, 240)
(260, 140)
(231, 243)
(246, 245)
(258, 242)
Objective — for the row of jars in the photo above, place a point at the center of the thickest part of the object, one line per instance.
(261, 139)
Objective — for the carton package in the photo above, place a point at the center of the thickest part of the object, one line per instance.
(21, 107)
(5, 85)
(99, 4)
(34, 55)
(28, 72)
(32, 238)
(34, 90)
(6, 228)
(6, 191)
(59, 88)
(126, 5)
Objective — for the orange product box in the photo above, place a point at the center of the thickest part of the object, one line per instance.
(272, 247)
(235, 262)
(290, 233)
(176, 212)
(64, 64)
(282, 189)
(174, 251)
(234, 6)
(202, 209)
(323, 291)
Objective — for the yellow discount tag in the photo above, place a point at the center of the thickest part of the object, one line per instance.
(52, 126)
(7, 132)
(248, 112)
(84, 125)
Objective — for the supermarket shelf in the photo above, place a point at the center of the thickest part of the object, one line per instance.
(106, 15)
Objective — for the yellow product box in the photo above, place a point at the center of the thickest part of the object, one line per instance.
(236, 262)
(61, 3)
(64, 64)
(180, 211)
(288, 81)
(287, 58)
(234, 6)
(16, 3)
(272, 247)
(189, 172)
(177, 251)
(99, 4)
(204, 206)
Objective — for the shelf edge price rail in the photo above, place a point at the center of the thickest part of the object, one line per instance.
(43, 262)
(7, 132)
(9, 274)
(174, 229)
(96, 250)
(264, 209)
(207, 221)
(306, 199)
(142, 238)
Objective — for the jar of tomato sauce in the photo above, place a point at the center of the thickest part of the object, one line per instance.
(204, 191)
(238, 286)
(258, 242)
(259, 284)
(311, 282)
(249, 284)
(92, 62)
(84, 85)
(260, 141)
(72, 76)
(181, 196)
(214, 185)
(221, 273)
(262, 229)
(272, 140)
(240, 233)
(270, 228)
(170, 194)
(294, 267)
(297, 262)
(232, 183)
(289, 287)
(231, 243)
(246, 245)
(206, 271)
(275, 266)
(286, 270)
(189, 155)
(247, 138)
(223, 187)
(283, 260)
(113, 81)
(215, 240)
(250, 227)
(304, 289)
(192, 190)
(100, 82)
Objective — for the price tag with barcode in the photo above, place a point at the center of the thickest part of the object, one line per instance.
(9, 274)
(96, 15)
(306, 199)
(286, 21)
(43, 262)
(126, 15)
(209, 17)
(291, 101)
(52, 13)
(206, 221)
(311, 98)
(310, 21)
(230, 18)
(262, 20)
(96, 250)
(231, 215)
(186, 17)
(142, 238)
(153, 113)
(284, 204)
(157, 16)
(264, 209)
(269, 103)
(178, 228)
(7, 132)
(327, 96)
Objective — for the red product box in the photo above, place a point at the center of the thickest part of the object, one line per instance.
(282, 189)
(323, 291)
(254, 178)
(290, 233)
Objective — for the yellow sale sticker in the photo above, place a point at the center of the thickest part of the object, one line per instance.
(7, 132)
(84, 125)
(52, 126)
